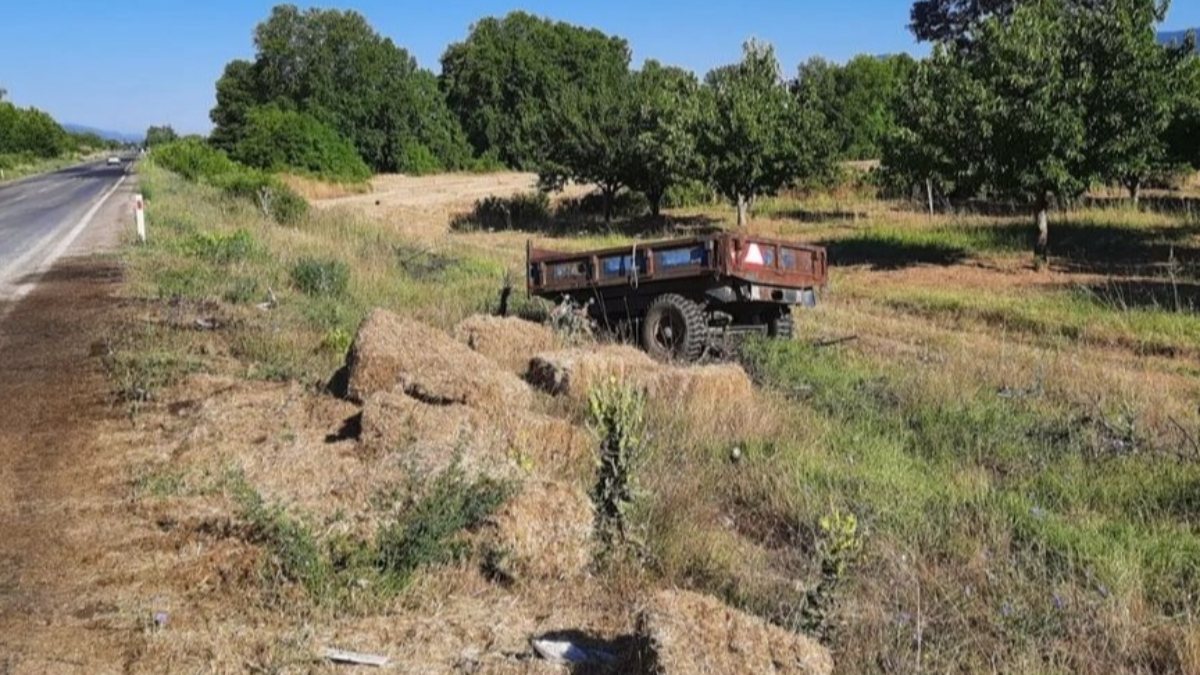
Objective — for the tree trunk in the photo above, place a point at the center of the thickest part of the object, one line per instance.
(1135, 190)
(1041, 250)
(609, 194)
(742, 207)
(929, 194)
(655, 198)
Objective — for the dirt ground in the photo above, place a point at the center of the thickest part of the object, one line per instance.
(62, 501)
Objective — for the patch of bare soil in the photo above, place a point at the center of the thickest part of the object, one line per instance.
(65, 537)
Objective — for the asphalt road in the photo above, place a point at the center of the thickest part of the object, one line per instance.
(40, 217)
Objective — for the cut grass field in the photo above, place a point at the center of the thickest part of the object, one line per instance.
(998, 471)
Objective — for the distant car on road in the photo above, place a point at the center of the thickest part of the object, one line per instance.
(114, 161)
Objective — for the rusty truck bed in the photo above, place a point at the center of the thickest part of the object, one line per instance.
(757, 260)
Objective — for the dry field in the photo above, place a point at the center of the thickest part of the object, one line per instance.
(963, 463)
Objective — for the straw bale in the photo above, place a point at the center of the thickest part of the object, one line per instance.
(544, 532)
(509, 341)
(573, 372)
(693, 633)
(391, 352)
(430, 438)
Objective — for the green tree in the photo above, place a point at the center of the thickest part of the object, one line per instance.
(31, 131)
(591, 137)
(157, 135)
(1007, 116)
(334, 66)
(859, 100)
(278, 140)
(502, 81)
(237, 93)
(960, 20)
(662, 150)
(754, 134)
(1130, 93)
(1183, 132)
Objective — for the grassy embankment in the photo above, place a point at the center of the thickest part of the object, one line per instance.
(1018, 456)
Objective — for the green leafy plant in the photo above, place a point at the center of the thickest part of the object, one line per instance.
(321, 277)
(616, 412)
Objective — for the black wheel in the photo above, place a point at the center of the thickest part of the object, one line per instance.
(783, 326)
(674, 329)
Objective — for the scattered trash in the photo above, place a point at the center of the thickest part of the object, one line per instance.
(210, 323)
(735, 454)
(356, 658)
(161, 619)
(565, 651)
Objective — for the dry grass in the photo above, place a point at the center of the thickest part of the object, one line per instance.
(691, 634)
(1018, 457)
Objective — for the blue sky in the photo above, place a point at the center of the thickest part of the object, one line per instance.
(126, 64)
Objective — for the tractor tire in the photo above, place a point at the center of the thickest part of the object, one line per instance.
(783, 326)
(674, 329)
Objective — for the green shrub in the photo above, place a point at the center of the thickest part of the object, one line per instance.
(425, 534)
(194, 159)
(626, 204)
(286, 140)
(417, 159)
(285, 206)
(321, 277)
(527, 211)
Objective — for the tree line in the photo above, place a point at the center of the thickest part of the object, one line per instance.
(29, 133)
(1020, 99)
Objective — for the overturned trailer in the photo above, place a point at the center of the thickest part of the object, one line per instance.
(684, 296)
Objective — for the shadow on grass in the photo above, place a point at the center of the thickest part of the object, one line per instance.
(890, 253)
(814, 216)
(1153, 294)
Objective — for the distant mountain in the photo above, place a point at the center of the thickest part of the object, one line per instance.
(103, 133)
(1176, 36)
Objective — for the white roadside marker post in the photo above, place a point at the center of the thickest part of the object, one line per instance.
(139, 214)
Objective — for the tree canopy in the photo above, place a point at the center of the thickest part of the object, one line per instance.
(755, 136)
(157, 135)
(503, 80)
(30, 131)
(858, 100)
(332, 65)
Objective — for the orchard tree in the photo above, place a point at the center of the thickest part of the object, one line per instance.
(754, 134)
(591, 137)
(664, 116)
(502, 81)
(1183, 131)
(858, 100)
(1131, 93)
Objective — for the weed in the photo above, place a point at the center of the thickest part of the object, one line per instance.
(616, 412)
(321, 276)
(425, 534)
(528, 211)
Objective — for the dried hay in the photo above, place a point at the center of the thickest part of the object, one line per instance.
(544, 532)
(573, 372)
(391, 352)
(510, 342)
(693, 633)
(428, 439)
